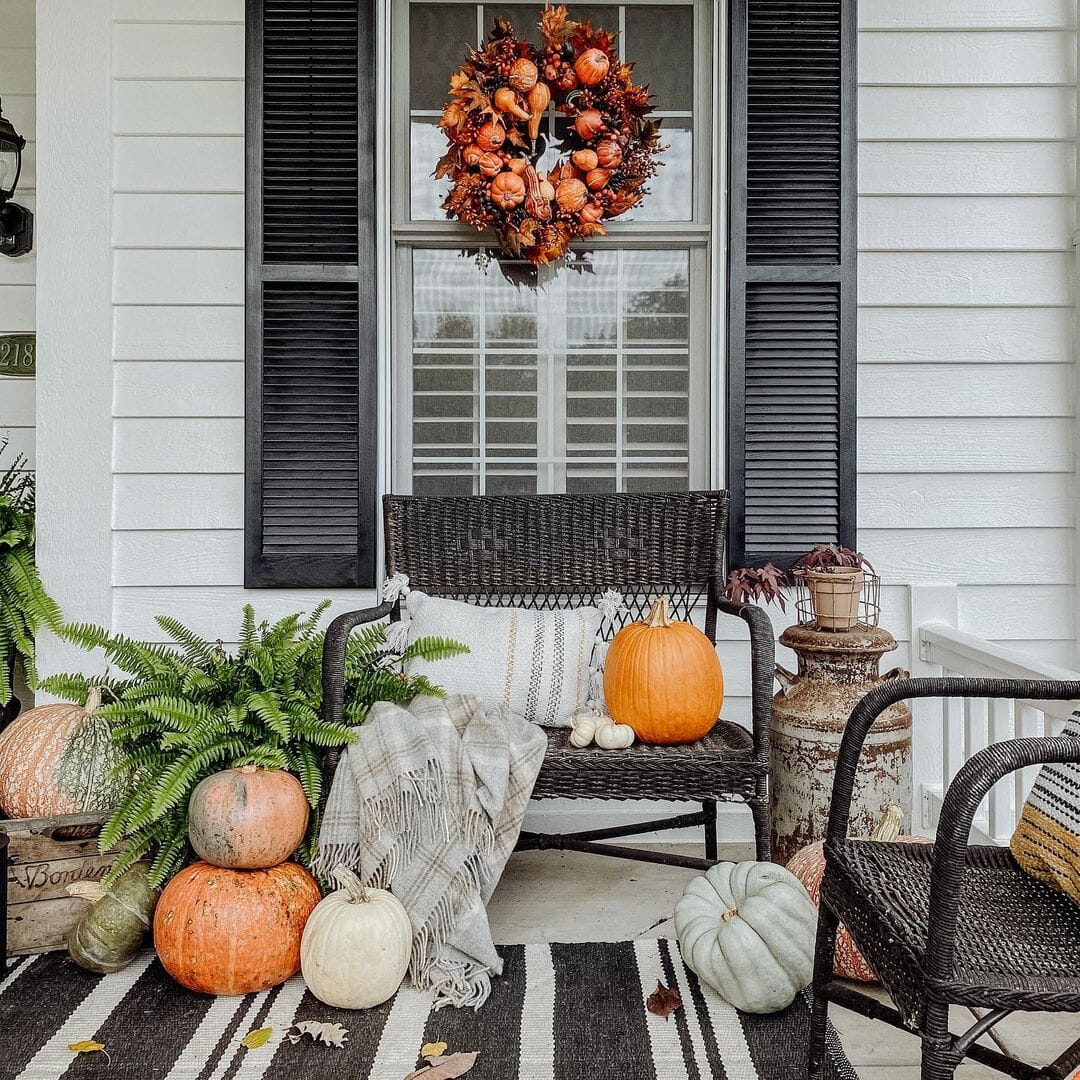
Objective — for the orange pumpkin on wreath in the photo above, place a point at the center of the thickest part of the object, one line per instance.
(492, 124)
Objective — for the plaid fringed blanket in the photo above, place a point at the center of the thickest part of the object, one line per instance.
(429, 802)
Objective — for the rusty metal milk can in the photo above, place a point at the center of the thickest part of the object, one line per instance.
(836, 668)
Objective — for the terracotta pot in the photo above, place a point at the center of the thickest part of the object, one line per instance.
(836, 594)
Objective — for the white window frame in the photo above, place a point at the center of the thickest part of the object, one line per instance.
(703, 236)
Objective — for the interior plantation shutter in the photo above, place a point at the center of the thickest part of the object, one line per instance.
(792, 278)
(311, 333)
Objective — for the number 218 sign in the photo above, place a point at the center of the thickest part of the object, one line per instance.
(18, 354)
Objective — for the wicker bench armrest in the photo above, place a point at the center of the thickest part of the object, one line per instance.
(889, 693)
(333, 658)
(762, 668)
(968, 789)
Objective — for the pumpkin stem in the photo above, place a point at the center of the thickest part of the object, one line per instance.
(249, 768)
(730, 914)
(658, 615)
(888, 828)
(93, 700)
(348, 881)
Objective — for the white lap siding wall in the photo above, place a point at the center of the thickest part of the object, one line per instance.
(17, 276)
(966, 379)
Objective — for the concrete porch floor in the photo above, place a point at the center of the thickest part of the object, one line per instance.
(566, 896)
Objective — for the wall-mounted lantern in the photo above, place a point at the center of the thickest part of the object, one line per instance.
(16, 222)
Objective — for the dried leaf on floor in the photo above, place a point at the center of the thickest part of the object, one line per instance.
(435, 1049)
(254, 1039)
(445, 1068)
(663, 1001)
(320, 1031)
(87, 1046)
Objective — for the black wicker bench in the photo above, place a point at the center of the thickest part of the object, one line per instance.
(552, 551)
(953, 923)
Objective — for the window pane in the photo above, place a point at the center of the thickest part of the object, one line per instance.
(660, 40)
(580, 384)
(439, 35)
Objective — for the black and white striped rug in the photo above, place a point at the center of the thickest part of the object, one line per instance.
(560, 1012)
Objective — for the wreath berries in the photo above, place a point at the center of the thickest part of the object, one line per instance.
(492, 123)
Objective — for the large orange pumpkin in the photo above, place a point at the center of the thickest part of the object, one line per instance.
(59, 759)
(663, 678)
(808, 865)
(222, 931)
(247, 818)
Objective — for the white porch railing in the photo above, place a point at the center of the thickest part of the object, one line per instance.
(967, 725)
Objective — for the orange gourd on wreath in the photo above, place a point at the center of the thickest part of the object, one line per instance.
(662, 677)
(247, 818)
(808, 865)
(229, 932)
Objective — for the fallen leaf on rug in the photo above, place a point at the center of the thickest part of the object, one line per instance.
(430, 1050)
(254, 1039)
(320, 1031)
(87, 1046)
(445, 1068)
(663, 1000)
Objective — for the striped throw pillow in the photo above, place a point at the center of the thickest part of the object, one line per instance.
(534, 662)
(1046, 843)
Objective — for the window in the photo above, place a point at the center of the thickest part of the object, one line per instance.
(511, 379)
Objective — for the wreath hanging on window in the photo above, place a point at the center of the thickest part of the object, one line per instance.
(493, 123)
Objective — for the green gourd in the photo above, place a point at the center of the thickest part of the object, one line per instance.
(110, 934)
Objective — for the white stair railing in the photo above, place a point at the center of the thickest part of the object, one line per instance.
(967, 725)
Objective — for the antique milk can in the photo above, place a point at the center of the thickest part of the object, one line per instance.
(836, 668)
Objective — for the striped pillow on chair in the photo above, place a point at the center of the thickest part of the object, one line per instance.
(1046, 843)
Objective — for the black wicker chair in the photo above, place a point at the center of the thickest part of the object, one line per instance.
(949, 924)
(553, 551)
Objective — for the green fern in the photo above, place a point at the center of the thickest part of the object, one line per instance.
(191, 708)
(25, 606)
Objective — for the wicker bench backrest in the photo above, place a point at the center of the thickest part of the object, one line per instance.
(548, 551)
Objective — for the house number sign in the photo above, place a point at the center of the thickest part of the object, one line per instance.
(18, 354)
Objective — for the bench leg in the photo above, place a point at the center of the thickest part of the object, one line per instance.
(759, 807)
(709, 810)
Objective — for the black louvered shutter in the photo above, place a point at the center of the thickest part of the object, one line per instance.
(311, 336)
(792, 278)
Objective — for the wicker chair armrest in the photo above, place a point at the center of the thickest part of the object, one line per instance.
(762, 668)
(333, 657)
(890, 692)
(969, 787)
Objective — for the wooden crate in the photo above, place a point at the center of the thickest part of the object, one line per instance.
(45, 855)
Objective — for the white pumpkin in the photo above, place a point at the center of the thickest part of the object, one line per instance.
(748, 930)
(612, 736)
(356, 945)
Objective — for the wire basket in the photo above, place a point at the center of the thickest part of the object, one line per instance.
(837, 598)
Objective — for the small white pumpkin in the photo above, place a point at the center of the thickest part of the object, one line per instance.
(748, 930)
(584, 727)
(612, 736)
(356, 945)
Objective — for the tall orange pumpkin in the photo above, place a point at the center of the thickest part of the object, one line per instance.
(663, 678)
(230, 932)
(247, 818)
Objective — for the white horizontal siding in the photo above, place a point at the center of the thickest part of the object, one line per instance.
(17, 276)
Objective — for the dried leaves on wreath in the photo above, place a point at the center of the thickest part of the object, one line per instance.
(663, 1001)
(320, 1031)
(444, 1067)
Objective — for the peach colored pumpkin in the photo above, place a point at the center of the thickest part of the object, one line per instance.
(663, 678)
(247, 818)
(59, 759)
(808, 865)
(229, 932)
(592, 66)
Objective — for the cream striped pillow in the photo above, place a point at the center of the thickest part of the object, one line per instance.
(535, 662)
(1046, 843)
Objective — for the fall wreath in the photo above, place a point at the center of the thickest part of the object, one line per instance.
(493, 123)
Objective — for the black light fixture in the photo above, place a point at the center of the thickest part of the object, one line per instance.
(16, 222)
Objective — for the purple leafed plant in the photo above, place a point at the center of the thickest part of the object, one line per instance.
(829, 556)
(751, 584)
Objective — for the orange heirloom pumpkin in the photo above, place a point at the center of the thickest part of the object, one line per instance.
(229, 932)
(507, 190)
(589, 123)
(491, 135)
(663, 678)
(608, 154)
(247, 818)
(592, 66)
(571, 195)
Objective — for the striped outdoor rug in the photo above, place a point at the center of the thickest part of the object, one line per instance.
(561, 1012)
